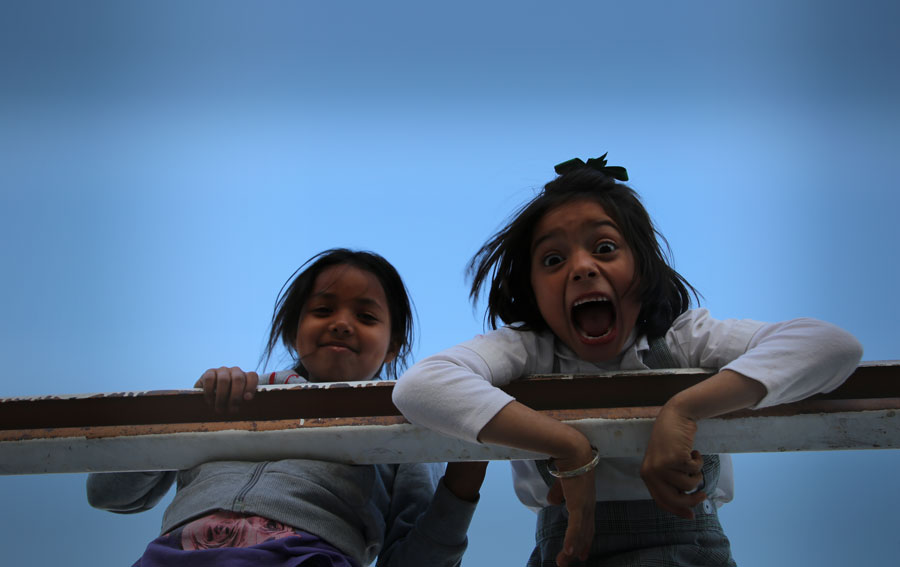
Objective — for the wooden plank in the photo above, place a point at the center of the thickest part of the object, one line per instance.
(357, 423)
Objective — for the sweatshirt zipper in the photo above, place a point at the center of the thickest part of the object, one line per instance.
(238, 504)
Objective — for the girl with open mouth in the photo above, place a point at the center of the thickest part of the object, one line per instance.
(580, 279)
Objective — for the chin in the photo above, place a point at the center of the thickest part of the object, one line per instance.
(602, 352)
(597, 357)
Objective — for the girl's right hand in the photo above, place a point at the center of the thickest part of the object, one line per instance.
(519, 426)
(579, 495)
(226, 388)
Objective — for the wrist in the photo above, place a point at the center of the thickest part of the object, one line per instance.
(576, 453)
(572, 473)
(681, 405)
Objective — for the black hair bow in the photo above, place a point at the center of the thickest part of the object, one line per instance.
(599, 164)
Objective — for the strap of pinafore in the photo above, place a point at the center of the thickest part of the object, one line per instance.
(658, 357)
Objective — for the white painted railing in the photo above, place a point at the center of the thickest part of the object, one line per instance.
(357, 423)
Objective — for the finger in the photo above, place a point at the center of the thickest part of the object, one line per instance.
(580, 504)
(674, 477)
(691, 464)
(252, 384)
(689, 468)
(675, 501)
(587, 533)
(700, 485)
(686, 483)
(207, 381)
(696, 460)
(238, 381)
(577, 541)
(223, 388)
(567, 555)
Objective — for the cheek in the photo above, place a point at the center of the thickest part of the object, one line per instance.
(631, 311)
(305, 333)
(540, 293)
(384, 347)
(377, 343)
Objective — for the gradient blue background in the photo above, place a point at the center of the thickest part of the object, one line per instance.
(165, 166)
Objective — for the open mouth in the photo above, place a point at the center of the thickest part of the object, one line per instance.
(594, 317)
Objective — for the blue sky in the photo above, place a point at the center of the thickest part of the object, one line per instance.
(165, 166)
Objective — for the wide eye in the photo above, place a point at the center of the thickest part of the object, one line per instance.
(605, 247)
(551, 260)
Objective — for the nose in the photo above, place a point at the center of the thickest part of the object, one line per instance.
(583, 266)
(340, 325)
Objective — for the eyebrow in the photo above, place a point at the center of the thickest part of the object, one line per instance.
(589, 224)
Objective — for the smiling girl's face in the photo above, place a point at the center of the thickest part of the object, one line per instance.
(344, 331)
(583, 277)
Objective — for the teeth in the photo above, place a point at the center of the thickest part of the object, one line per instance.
(598, 337)
(590, 300)
(595, 299)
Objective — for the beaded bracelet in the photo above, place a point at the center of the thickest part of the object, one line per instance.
(575, 472)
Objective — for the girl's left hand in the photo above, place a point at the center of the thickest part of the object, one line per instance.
(671, 466)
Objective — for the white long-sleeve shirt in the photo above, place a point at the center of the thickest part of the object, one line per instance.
(456, 392)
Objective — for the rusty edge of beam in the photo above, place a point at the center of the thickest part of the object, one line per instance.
(871, 380)
(858, 420)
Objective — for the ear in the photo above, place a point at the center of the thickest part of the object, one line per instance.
(393, 349)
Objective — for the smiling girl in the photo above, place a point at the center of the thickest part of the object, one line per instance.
(580, 280)
(344, 317)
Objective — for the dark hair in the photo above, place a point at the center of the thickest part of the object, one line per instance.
(295, 292)
(505, 260)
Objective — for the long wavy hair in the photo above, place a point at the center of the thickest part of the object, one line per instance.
(503, 264)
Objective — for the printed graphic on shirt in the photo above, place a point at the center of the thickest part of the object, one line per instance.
(230, 529)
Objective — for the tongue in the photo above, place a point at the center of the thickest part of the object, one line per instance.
(595, 318)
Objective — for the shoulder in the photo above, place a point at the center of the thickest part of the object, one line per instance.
(510, 336)
(510, 346)
(698, 322)
(698, 339)
(289, 376)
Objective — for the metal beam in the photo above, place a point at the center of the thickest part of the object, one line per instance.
(357, 423)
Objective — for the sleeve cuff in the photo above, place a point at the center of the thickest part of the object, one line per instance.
(447, 519)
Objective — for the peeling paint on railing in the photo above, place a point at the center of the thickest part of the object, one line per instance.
(355, 422)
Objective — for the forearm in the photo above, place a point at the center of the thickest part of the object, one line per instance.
(420, 534)
(672, 467)
(128, 492)
(517, 425)
(797, 359)
(722, 393)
